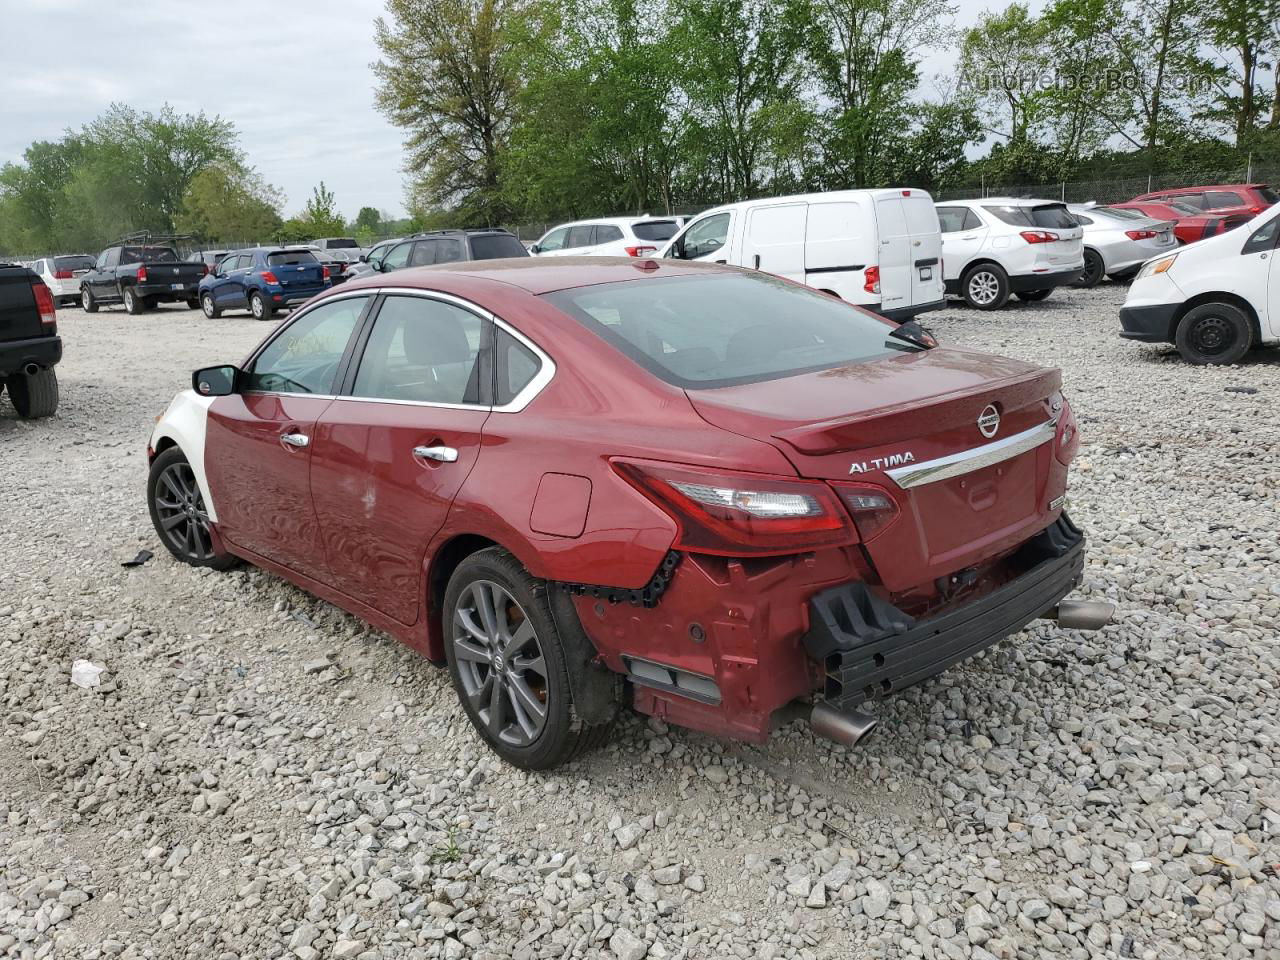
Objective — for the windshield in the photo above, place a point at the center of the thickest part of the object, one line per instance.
(73, 263)
(494, 246)
(1120, 214)
(728, 328)
(286, 257)
(147, 255)
(655, 229)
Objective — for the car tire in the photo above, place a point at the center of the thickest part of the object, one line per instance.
(985, 286)
(491, 659)
(193, 303)
(132, 302)
(259, 307)
(209, 307)
(178, 512)
(87, 301)
(1035, 296)
(1214, 334)
(1093, 271)
(34, 394)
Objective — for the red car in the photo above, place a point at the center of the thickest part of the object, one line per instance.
(1229, 199)
(703, 491)
(1189, 223)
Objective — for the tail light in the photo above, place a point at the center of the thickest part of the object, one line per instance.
(62, 275)
(871, 507)
(734, 514)
(269, 277)
(872, 283)
(640, 251)
(44, 302)
(324, 273)
(1039, 236)
(1140, 234)
(204, 269)
(142, 273)
(1067, 442)
(1256, 209)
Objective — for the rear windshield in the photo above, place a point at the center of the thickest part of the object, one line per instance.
(73, 263)
(1268, 195)
(495, 246)
(147, 255)
(1120, 214)
(286, 257)
(655, 229)
(1048, 215)
(341, 243)
(723, 329)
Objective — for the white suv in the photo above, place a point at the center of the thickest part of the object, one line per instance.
(608, 237)
(1214, 299)
(998, 246)
(62, 275)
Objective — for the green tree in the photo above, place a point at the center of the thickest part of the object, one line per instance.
(1248, 32)
(229, 203)
(1003, 63)
(448, 79)
(320, 215)
(369, 218)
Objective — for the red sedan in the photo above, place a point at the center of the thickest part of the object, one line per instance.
(704, 492)
(1189, 223)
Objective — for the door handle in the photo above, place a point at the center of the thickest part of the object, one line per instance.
(295, 439)
(442, 454)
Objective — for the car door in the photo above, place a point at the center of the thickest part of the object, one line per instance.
(259, 441)
(102, 282)
(926, 247)
(392, 451)
(581, 241)
(231, 289)
(552, 244)
(895, 253)
(963, 236)
(773, 239)
(1258, 278)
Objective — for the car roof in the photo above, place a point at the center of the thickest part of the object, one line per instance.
(1208, 186)
(620, 221)
(539, 275)
(1002, 201)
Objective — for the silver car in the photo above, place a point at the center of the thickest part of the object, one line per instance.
(1118, 242)
(362, 267)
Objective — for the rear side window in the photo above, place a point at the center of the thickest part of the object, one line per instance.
(423, 351)
(655, 229)
(722, 329)
(515, 366)
(1119, 214)
(286, 257)
(495, 246)
(424, 254)
(607, 233)
(448, 251)
(147, 255)
(580, 237)
(1189, 199)
(1222, 198)
(951, 219)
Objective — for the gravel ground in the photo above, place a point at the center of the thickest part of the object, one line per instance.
(261, 776)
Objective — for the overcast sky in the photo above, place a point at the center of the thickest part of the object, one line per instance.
(293, 77)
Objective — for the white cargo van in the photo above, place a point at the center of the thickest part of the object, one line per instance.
(881, 249)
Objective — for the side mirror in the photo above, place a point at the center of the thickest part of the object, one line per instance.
(215, 381)
(534, 248)
(375, 263)
(362, 258)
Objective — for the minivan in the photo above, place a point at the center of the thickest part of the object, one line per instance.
(880, 249)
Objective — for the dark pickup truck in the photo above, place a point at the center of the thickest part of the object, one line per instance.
(29, 342)
(140, 277)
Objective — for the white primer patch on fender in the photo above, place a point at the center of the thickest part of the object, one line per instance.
(184, 423)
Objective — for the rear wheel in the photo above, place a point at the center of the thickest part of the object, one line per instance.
(985, 287)
(209, 307)
(132, 302)
(178, 512)
(34, 394)
(86, 300)
(259, 307)
(1214, 333)
(1034, 296)
(509, 666)
(1094, 268)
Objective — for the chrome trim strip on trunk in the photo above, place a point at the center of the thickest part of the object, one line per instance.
(967, 461)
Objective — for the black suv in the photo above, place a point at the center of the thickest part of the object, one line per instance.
(29, 342)
(446, 246)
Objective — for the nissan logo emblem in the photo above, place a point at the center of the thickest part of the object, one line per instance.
(989, 420)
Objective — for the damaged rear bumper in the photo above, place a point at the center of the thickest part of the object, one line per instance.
(870, 649)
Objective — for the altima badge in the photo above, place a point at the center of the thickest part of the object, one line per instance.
(989, 420)
(882, 463)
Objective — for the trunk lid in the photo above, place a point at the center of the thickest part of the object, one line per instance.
(867, 422)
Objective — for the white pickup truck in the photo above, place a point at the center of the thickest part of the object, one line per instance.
(1214, 299)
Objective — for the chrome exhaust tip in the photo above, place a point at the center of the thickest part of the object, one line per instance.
(1082, 614)
(847, 727)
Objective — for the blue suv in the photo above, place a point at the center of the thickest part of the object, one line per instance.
(263, 279)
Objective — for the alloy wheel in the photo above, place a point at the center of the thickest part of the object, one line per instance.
(257, 307)
(180, 509)
(984, 287)
(206, 304)
(85, 299)
(500, 663)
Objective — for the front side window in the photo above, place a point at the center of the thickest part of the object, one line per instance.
(706, 236)
(397, 257)
(554, 240)
(424, 351)
(304, 356)
(713, 331)
(1264, 238)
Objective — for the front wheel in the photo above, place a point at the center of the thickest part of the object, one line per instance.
(508, 663)
(34, 394)
(133, 303)
(1214, 333)
(209, 307)
(1034, 296)
(193, 303)
(86, 300)
(1093, 271)
(178, 512)
(259, 307)
(985, 287)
